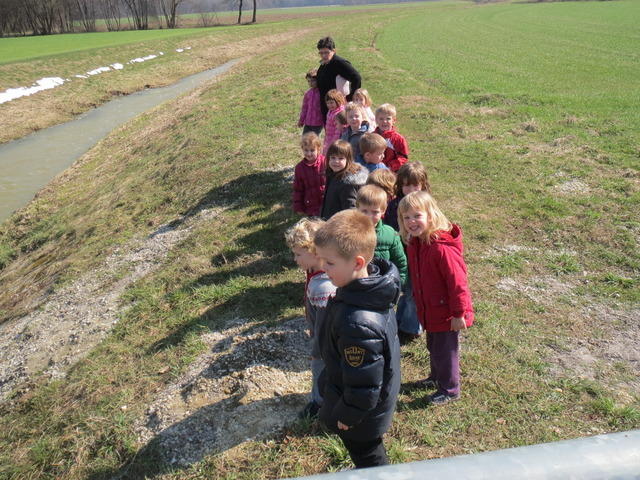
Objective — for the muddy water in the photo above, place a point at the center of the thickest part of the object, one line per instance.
(28, 164)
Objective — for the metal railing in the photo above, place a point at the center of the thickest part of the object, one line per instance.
(612, 456)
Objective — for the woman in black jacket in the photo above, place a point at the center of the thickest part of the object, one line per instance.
(331, 65)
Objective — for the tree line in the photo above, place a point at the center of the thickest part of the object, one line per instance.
(45, 17)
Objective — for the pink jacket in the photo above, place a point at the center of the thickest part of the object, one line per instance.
(311, 114)
(439, 279)
(331, 133)
(308, 187)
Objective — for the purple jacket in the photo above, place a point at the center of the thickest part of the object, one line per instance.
(311, 113)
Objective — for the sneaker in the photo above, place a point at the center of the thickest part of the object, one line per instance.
(428, 383)
(310, 410)
(441, 398)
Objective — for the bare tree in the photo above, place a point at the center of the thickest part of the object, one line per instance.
(86, 10)
(111, 13)
(253, 20)
(239, 12)
(168, 9)
(140, 12)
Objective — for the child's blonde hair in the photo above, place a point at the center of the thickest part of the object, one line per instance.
(311, 140)
(372, 196)
(302, 233)
(350, 232)
(423, 202)
(371, 142)
(386, 108)
(351, 107)
(383, 178)
(412, 173)
(336, 96)
(365, 94)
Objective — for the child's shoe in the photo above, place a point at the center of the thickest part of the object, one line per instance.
(310, 410)
(428, 383)
(441, 398)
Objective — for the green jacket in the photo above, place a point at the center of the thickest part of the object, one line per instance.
(389, 247)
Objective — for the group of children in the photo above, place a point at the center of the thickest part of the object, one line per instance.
(380, 240)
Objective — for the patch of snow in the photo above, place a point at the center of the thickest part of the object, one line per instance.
(161, 53)
(98, 70)
(42, 84)
(142, 59)
(179, 50)
(117, 66)
(81, 76)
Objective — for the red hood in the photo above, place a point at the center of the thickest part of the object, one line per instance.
(452, 238)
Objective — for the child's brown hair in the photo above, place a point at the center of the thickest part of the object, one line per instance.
(350, 232)
(412, 173)
(351, 106)
(311, 140)
(365, 94)
(371, 142)
(336, 96)
(313, 73)
(385, 179)
(341, 148)
(372, 196)
(341, 117)
(301, 234)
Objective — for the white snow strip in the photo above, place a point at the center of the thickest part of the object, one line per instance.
(98, 70)
(142, 59)
(187, 48)
(81, 76)
(117, 66)
(42, 84)
(161, 53)
(179, 50)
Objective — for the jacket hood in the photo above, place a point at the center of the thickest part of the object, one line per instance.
(452, 238)
(380, 290)
(358, 178)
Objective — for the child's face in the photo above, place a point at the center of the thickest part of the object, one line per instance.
(354, 119)
(305, 259)
(339, 270)
(310, 154)
(374, 157)
(385, 121)
(331, 104)
(415, 222)
(313, 83)
(337, 163)
(373, 212)
(359, 99)
(407, 189)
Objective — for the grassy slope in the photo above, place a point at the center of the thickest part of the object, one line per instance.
(76, 427)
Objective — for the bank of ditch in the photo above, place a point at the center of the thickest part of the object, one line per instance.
(211, 341)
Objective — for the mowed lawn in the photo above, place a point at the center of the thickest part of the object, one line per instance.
(545, 187)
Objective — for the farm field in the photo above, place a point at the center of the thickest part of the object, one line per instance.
(542, 177)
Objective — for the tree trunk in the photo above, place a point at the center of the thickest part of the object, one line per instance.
(253, 20)
(239, 12)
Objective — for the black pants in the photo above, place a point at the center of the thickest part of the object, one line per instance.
(315, 130)
(370, 453)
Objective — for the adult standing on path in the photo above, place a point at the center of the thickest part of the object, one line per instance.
(331, 65)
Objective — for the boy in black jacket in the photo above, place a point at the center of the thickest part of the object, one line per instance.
(359, 340)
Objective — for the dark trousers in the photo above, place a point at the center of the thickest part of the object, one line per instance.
(367, 454)
(444, 356)
(308, 128)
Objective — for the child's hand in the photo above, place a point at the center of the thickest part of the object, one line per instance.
(342, 426)
(458, 323)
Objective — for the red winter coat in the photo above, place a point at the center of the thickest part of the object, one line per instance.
(308, 187)
(439, 279)
(397, 151)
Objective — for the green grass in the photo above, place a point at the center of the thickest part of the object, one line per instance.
(491, 171)
(20, 49)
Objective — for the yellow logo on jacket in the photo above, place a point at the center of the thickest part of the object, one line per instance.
(354, 356)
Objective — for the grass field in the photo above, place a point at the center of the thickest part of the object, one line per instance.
(544, 180)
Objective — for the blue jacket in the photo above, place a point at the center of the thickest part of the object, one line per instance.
(360, 348)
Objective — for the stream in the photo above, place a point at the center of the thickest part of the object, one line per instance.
(30, 163)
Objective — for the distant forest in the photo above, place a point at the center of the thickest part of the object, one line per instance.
(45, 17)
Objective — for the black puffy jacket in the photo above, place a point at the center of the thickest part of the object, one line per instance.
(360, 348)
